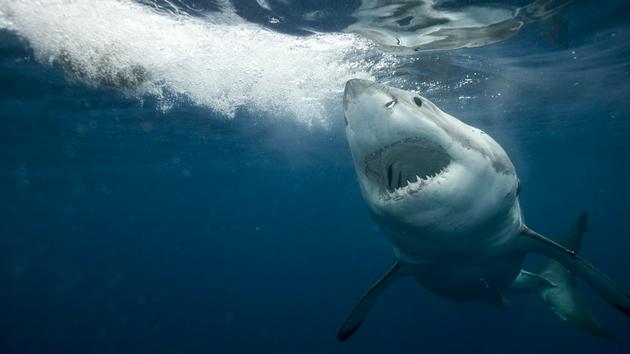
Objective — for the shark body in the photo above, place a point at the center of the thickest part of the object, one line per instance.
(446, 196)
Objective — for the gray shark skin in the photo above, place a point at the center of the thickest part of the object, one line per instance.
(446, 196)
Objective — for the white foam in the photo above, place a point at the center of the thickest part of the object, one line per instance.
(220, 61)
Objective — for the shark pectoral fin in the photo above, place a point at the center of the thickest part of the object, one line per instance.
(529, 282)
(566, 303)
(365, 303)
(563, 299)
(556, 287)
(598, 281)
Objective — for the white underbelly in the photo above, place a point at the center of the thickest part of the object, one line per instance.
(430, 248)
(469, 279)
(462, 266)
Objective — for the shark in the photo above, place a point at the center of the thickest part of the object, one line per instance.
(446, 195)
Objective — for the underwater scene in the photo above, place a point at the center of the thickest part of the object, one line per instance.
(303, 176)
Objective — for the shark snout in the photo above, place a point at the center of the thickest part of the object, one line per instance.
(354, 92)
(355, 87)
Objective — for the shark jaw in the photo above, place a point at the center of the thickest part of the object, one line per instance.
(406, 167)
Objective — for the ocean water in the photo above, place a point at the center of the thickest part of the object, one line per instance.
(175, 178)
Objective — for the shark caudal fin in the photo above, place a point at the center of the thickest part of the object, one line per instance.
(556, 282)
(365, 303)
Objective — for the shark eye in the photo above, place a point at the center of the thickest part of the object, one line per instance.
(418, 101)
(390, 104)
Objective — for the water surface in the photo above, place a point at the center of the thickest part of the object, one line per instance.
(175, 176)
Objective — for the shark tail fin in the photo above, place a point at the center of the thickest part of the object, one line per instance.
(557, 287)
(365, 303)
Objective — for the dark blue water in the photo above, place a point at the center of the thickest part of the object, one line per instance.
(127, 227)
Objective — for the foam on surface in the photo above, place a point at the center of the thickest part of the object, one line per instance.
(219, 61)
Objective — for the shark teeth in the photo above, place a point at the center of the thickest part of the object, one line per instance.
(412, 186)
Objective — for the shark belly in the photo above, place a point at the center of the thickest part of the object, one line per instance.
(462, 264)
(482, 279)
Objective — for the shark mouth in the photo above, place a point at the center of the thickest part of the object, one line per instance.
(406, 166)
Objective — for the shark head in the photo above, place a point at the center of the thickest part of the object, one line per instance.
(419, 167)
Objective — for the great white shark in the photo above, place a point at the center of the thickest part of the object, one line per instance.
(447, 197)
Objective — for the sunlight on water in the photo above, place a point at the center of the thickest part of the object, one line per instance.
(411, 26)
(219, 61)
